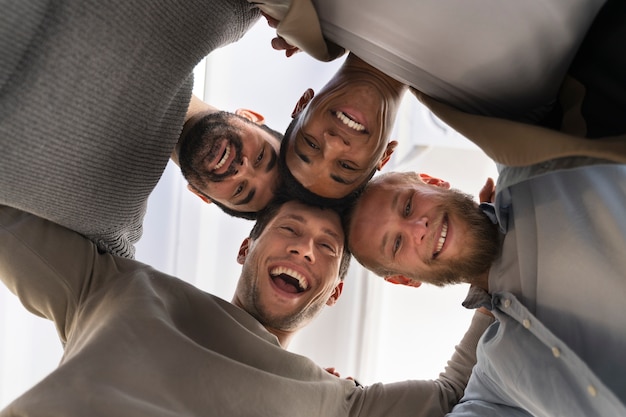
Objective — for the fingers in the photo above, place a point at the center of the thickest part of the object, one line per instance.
(484, 311)
(280, 44)
(292, 51)
(273, 23)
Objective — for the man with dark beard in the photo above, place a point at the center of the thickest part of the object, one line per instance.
(140, 342)
(556, 288)
(93, 102)
(228, 158)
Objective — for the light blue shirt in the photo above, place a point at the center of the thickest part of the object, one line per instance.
(559, 294)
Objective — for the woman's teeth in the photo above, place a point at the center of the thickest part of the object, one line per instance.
(349, 122)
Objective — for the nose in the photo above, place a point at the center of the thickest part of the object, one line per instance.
(244, 169)
(334, 144)
(303, 247)
(418, 228)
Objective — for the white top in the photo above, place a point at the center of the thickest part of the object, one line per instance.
(502, 58)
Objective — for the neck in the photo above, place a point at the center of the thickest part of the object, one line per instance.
(284, 337)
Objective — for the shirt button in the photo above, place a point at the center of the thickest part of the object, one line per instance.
(556, 352)
(592, 390)
(507, 303)
(526, 323)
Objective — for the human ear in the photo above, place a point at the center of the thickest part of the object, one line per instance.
(307, 96)
(199, 194)
(402, 280)
(243, 251)
(437, 182)
(335, 295)
(391, 146)
(251, 115)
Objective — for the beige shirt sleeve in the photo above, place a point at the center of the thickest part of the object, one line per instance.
(429, 398)
(299, 26)
(518, 144)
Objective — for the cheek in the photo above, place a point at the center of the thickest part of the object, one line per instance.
(219, 190)
(290, 156)
(370, 154)
(328, 267)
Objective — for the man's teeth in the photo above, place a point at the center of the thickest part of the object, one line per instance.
(442, 238)
(224, 158)
(349, 122)
(281, 270)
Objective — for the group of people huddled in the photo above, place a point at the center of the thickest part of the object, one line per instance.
(95, 100)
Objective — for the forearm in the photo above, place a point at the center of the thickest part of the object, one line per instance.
(429, 398)
(453, 380)
(44, 264)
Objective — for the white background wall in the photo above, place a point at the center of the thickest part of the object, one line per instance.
(377, 331)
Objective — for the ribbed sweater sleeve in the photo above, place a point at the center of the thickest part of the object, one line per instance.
(92, 102)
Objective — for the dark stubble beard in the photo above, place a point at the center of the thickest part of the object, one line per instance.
(250, 297)
(483, 239)
(198, 146)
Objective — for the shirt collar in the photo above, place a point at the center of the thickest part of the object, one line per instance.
(490, 211)
(477, 297)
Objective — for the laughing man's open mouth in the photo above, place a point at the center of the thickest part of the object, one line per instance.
(289, 280)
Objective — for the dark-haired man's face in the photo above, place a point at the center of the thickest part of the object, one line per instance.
(291, 271)
(234, 165)
(426, 233)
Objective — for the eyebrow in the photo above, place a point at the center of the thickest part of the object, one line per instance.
(332, 234)
(340, 180)
(384, 244)
(302, 156)
(272, 161)
(394, 202)
(326, 230)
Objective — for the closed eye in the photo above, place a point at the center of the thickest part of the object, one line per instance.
(407, 208)
(310, 143)
(260, 157)
(330, 248)
(239, 189)
(288, 229)
(345, 165)
(397, 243)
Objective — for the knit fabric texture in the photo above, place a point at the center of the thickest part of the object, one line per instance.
(92, 101)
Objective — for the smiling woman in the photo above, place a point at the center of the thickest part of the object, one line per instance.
(376, 331)
(341, 136)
